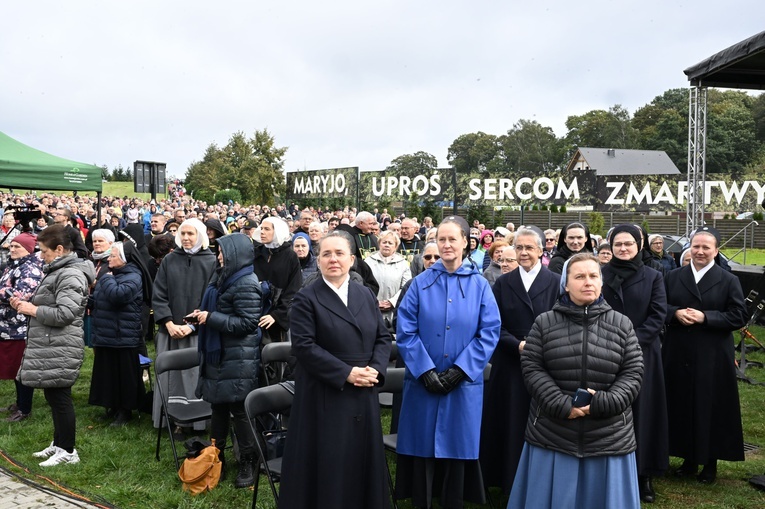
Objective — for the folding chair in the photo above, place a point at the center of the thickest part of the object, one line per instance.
(177, 413)
(394, 384)
(273, 353)
(264, 400)
(386, 398)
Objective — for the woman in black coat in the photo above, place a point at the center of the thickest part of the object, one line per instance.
(334, 454)
(705, 305)
(506, 408)
(229, 347)
(276, 263)
(636, 290)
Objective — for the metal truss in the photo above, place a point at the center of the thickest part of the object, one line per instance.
(697, 162)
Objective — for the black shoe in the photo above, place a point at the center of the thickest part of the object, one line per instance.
(246, 475)
(646, 489)
(708, 473)
(123, 417)
(687, 469)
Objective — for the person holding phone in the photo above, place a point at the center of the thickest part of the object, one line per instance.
(574, 446)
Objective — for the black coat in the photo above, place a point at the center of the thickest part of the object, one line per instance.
(506, 408)
(643, 299)
(699, 369)
(281, 268)
(334, 455)
(574, 347)
(236, 316)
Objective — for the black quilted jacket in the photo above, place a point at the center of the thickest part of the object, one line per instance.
(589, 347)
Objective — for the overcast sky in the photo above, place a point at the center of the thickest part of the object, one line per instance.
(341, 83)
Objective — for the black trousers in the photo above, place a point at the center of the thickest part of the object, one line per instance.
(62, 408)
(24, 396)
(220, 422)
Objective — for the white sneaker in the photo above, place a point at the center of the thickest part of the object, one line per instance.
(61, 457)
(47, 452)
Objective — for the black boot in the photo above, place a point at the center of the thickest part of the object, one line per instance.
(246, 476)
(708, 473)
(647, 494)
(123, 417)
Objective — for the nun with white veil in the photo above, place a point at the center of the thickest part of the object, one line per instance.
(178, 288)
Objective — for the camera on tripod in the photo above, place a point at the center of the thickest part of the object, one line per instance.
(25, 214)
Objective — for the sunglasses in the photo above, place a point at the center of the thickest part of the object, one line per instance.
(550, 240)
(431, 257)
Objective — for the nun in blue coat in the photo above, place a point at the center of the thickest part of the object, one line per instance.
(448, 327)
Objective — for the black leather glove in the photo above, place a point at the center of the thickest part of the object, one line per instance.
(451, 378)
(432, 382)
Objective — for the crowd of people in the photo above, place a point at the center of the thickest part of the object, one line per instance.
(538, 362)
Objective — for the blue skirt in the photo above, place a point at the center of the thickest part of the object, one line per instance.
(548, 479)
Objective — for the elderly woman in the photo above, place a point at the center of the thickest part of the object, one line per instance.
(20, 278)
(448, 327)
(276, 263)
(334, 454)
(55, 349)
(7, 233)
(178, 288)
(605, 254)
(582, 366)
(656, 245)
(229, 341)
(315, 233)
(508, 260)
(391, 271)
(493, 271)
(522, 295)
(116, 333)
(635, 290)
(301, 244)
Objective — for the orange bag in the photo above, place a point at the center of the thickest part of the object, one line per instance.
(203, 472)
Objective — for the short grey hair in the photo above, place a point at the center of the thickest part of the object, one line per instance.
(528, 232)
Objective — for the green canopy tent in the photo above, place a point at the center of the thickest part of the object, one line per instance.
(24, 167)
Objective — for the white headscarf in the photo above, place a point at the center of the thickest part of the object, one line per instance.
(202, 241)
(281, 232)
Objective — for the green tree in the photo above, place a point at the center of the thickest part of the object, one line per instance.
(412, 166)
(253, 166)
(603, 129)
(663, 125)
(105, 173)
(597, 224)
(530, 147)
(471, 155)
(118, 173)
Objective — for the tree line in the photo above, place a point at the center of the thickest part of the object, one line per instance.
(735, 145)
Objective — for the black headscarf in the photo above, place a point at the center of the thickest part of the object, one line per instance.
(132, 255)
(622, 270)
(563, 250)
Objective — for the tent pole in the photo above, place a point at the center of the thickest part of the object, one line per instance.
(98, 209)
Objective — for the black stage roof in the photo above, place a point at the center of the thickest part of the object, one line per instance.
(739, 66)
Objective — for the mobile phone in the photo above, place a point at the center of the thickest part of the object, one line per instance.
(191, 319)
(582, 397)
(8, 292)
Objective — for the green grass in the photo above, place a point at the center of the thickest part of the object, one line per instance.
(109, 189)
(753, 256)
(118, 466)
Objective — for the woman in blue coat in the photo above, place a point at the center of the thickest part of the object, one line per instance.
(115, 310)
(448, 327)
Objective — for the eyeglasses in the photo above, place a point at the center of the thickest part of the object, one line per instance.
(657, 242)
(549, 240)
(628, 243)
(526, 248)
(507, 260)
(431, 257)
